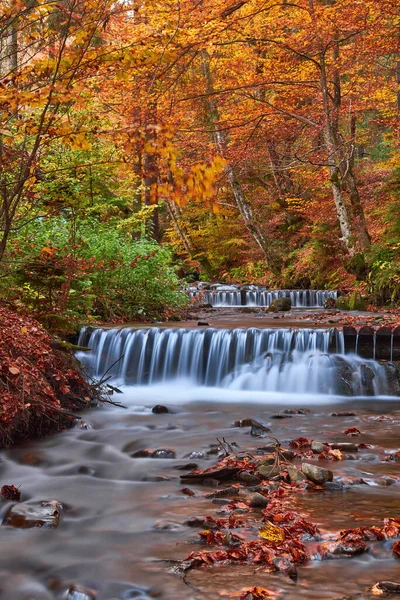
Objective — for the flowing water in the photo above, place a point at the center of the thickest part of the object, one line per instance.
(124, 517)
(258, 296)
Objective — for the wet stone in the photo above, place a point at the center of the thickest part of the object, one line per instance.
(248, 478)
(281, 416)
(159, 409)
(155, 478)
(317, 447)
(229, 492)
(78, 592)
(85, 470)
(196, 455)
(345, 447)
(259, 430)
(344, 413)
(296, 411)
(257, 500)
(316, 474)
(163, 453)
(221, 501)
(335, 486)
(187, 467)
(268, 472)
(142, 454)
(295, 475)
(353, 548)
(25, 516)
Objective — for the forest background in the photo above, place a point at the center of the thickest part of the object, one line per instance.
(245, 141)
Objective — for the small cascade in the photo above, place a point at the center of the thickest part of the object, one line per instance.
(273, 360)
(220, 295)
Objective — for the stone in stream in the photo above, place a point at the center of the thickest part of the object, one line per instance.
(281, 416)
(344, 413)
(163, 453)
(296, 411)
(159, 409)
(229, 492)
(295, 475)
(248, 478)
(386, 586)
(259, 429)
(267, 471)
(39, 514)
(345, 447)
(257, 500)
(316, 474)
(318, 447)
(78, 592)
(196, 455)
(280, 304)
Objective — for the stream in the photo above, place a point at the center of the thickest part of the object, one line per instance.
(124, 519)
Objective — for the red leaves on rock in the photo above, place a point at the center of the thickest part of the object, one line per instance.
(352, 431)
(300, 442)
(10, 492)
(187, 491)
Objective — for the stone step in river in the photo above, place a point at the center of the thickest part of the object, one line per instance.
(222, 296)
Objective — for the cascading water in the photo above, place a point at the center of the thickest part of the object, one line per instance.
(258, 296)
(269, 360)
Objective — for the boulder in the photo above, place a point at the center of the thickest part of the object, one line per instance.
(342, 303)
(316, 474)
(38, 514)
(159, 409)
(280, 304)
(356, 302)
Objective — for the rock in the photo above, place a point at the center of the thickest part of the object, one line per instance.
(243, 423)
(344, 413)
(335, 486)
(280, 304)
(203, 324)
(248, 478)
(144, 453)
(259, 430)
(268, 472)
(187, 467)
(159, 409)
(350, 547)
(163, 453)
(78, 592)
(229, 492)
(318, 447)
(155, 478)
(316, 474)
(221, 501)
(356, 302)
(342, 303)
(295, 475)
(195, 455)
(219, 474)
(257, 500)
(25, 515)
(345, 447)
(387, 586)
(296, 411)
(280, 416)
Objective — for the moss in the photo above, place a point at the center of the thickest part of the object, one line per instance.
(356, 302)
(342, 303)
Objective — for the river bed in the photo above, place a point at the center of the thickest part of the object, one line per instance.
(124, 518)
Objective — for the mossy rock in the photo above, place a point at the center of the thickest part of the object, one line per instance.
(280, 304)
(342, 303)
(356, 302)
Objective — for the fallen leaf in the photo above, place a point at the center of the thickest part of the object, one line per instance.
(272, 533)
(14, 370)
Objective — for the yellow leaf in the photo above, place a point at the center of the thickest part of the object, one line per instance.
(272, 533)
(24, 329)
(337, 454)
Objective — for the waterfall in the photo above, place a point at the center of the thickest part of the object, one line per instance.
(258, 296)
(281, 360)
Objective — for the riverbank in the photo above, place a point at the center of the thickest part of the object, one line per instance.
(41, 385)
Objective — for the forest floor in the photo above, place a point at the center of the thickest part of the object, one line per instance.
(41, 385)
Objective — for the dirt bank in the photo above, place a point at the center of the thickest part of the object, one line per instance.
(40, 384)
